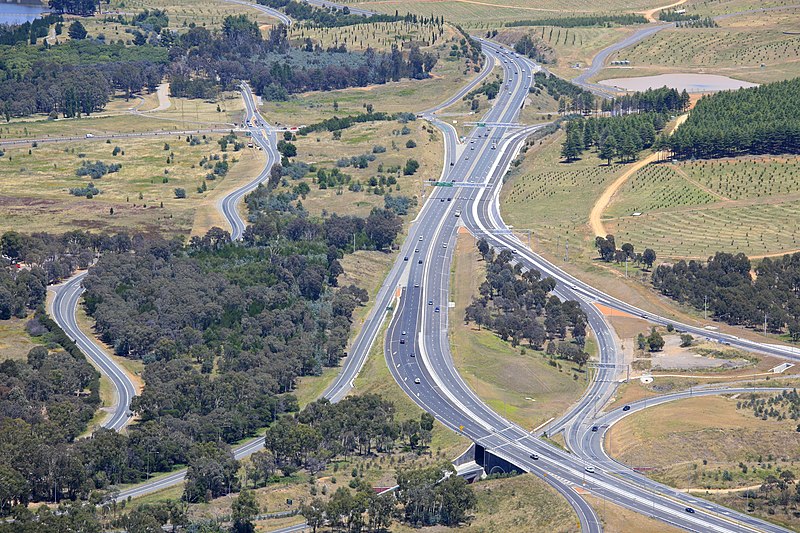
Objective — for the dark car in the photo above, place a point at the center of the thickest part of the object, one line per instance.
(405, 259)
(430, 302)
(690, 510)
(419, 262)
(412, 354)
(626, 408)
(402, 341)
(534, 457)
(595, 428)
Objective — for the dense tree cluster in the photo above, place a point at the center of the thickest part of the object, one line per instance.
(518, 306)
(758, 120)
(535, 48)
(663, 100)
(337, 123)
(73, 91)
(274, 68)
(621, 136)
(737, 293)
(607, 248)
(269, 212)
(426, 497)
(31, 262)
(83, 8)
(332, 17)
(577, 22)
(358, 425)
(28, 31)
(578, 100)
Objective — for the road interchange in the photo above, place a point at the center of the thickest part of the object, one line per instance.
(441, 390)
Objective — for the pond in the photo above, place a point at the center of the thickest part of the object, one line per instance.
(693, 83)
(19, 14)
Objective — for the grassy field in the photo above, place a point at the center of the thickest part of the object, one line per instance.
(379, 36)
(35, 184)
(490, 13)
(721, 7)
(690, 443)
(323, 151)
(553, 199)
(758, 48)
(15, 343)
(720, 205)
(521, 386)
(571, 45)
(710, 445)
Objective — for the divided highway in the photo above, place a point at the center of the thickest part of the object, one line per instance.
(417, 348)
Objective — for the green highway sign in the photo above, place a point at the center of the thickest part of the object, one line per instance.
(442, 183)
(481, 124)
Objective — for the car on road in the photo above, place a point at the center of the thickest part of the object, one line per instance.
(444, 245)
(437, 309)
(643, 316)
(416, 250)
(419, 262)
(690, 510)
(589, 469)
(412, 354)
(89, 135)
(626, 408)
(595, 428)
(416, 285)
(534, 457)
(402, 341)
(430, 302)
(420, 237)
(416, 381)
(405, 259)
(573, 287)
(404, 333)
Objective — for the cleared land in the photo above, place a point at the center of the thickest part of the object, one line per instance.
(381, 36)
(571, 45)
(691, 209)
(35, 184)
(553, 198)
(181, 13)
(758, 48)
(518, 383)
(490, 13)
(323, 151)
(710, 444)
(15, 343)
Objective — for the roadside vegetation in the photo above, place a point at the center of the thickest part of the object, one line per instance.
(525, 383)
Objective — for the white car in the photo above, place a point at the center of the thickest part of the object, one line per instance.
(589, 469)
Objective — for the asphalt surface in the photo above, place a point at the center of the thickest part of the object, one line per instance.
(263, 136)
(99, 137)
(274, 13)
(64, 307)
(420, 322)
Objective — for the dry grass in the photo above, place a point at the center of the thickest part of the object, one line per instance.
(35, 183)
(689, 443)
(758, 48)
(321, 150)
(520, 386)
(617, 519)
(15, 343)
(491, 13)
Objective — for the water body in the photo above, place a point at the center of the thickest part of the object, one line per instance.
(693, 83)
(19, 14)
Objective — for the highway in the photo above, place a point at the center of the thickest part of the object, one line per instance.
(64, 307)
(282, 17)
(420, 322)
